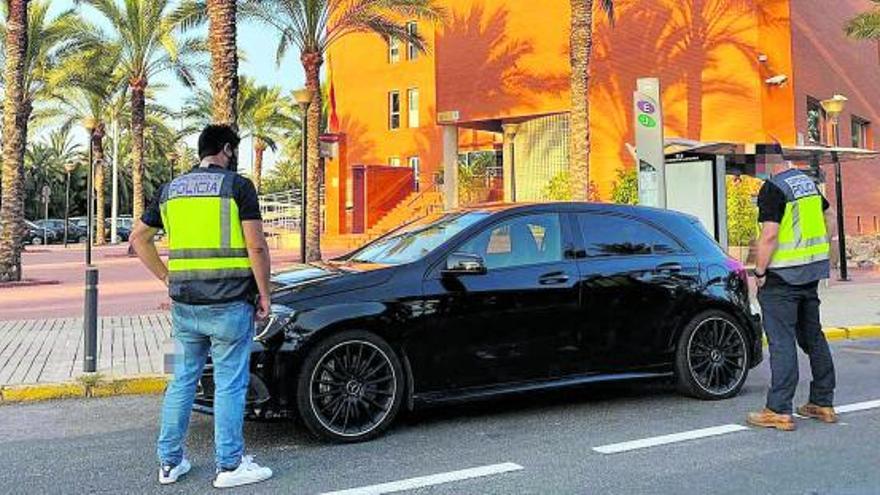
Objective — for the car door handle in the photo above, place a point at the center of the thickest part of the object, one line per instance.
(554, 278)
(669, 267)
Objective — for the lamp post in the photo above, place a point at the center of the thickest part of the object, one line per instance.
(833, 108)
(69, 167)
(303, 98)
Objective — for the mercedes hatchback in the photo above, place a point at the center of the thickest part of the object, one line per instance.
(495, 300)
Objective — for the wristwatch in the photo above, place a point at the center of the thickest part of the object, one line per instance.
(759, 275)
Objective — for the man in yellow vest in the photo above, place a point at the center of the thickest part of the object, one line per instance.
(218, 279)
(793, 253)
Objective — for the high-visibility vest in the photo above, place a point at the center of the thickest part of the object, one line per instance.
(207, 257)
(803, 238)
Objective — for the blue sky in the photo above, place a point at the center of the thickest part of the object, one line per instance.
(258, 45)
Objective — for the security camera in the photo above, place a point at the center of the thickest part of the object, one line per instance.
(777, 80)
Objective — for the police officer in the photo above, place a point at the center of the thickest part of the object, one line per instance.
(793, 253)
(217, 272)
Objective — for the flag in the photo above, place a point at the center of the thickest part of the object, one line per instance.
(333, 120)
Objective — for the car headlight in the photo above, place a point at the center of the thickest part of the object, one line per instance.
(279, 317)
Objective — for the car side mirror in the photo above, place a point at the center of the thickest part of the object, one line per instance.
(464, 264)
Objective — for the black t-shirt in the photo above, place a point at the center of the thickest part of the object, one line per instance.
(771, 208)
(243, 191)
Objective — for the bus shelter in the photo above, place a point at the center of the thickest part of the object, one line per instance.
(692, 163)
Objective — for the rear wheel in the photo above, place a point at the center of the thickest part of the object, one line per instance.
(350, 387)
(711, 359)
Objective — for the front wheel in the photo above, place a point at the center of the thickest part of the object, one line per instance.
(711, 359)
(350, 387)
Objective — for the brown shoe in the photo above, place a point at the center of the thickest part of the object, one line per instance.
(823, 414)
(769, 419)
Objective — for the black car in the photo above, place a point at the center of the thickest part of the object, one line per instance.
(500, 299)
(75, 233)
(36, 234)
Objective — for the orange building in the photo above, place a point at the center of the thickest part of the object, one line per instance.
(487, 107)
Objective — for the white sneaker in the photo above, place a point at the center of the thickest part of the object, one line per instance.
(247, 472)
(168, 474)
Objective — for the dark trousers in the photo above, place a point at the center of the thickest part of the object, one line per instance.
(791, 313)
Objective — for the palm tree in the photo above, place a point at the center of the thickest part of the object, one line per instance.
(144, 33)
(313, 27)
(580, 50)
(14, 137)
(91, 87)
(865, 26)
(263, 116)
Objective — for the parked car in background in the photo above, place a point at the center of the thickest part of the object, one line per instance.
(123, 228)
(496, 300)
(75, 233)
(37, 235)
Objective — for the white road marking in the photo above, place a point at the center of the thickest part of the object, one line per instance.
(434, 479)
(858, 406)
(615, 448)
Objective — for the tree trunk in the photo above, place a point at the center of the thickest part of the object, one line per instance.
(138, 118)
(259, 149)
(224, 61)
(312, 65)
(97, 142)
(14, 140)
(580, 51)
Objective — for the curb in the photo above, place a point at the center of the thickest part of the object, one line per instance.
(85, 387)
(96, 386)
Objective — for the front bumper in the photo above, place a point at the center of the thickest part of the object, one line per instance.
(257, 394)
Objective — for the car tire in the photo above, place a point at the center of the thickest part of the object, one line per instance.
(37, 241)
(712, 357)
(350, 387)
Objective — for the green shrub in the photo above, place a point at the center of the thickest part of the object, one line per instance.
(625, 190)
(558, 188)
(742, 214)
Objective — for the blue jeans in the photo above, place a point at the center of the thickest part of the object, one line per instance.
(791, 315)
(226, 331)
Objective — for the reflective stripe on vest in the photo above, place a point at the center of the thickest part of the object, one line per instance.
(803, 238)
(205, 238)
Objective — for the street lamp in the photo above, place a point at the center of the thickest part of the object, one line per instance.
(69, 167)
(833, 108)
(303, 98)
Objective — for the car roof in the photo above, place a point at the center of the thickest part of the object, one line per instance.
(575, 206)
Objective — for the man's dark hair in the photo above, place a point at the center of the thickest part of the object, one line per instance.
(214, 137)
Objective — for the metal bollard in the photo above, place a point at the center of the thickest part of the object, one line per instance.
(90, 321)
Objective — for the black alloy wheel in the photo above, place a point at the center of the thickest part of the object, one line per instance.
(712, 360)
(350, 388)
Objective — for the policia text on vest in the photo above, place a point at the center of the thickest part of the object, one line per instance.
(208, 260)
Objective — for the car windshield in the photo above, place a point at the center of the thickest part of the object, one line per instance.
(417, 239)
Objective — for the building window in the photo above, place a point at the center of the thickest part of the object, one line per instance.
(393, 50)
(394, 161)
(412, 52)
(412, 108)
(414, 165)
(816, 122)
(860, 132)
(394, 110)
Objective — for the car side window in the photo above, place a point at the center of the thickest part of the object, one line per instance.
(613, 235)
(520, 241)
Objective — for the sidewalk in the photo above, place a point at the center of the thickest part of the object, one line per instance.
(51, 350)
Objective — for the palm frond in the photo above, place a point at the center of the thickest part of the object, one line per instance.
(865, 26)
